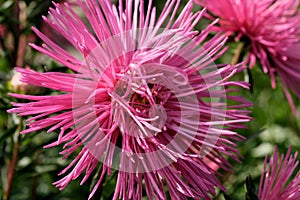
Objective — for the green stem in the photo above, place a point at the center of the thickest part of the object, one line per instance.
(35, 179)
(239, 54)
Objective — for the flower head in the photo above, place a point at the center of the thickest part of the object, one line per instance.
(144, 100)
(272, 28)
(274, 178)
(16, 85)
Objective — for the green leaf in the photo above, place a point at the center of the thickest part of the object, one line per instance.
(6, 134)
(226, 197)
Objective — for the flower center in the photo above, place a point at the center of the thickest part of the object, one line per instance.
(138, 104)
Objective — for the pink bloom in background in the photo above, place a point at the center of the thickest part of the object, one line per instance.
(273, 29)
(275, 176)
(144, 99)
(2, 31)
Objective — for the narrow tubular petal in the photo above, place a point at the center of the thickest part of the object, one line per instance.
(276, 173)
(145, 99)
(271, 29)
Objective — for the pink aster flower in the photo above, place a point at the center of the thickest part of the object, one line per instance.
(272, 29)
(273, 182)
(144, 99)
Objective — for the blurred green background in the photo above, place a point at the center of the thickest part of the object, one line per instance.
(36, 168)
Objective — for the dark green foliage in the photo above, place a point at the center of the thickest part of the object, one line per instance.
(37, 168)
(250, 187)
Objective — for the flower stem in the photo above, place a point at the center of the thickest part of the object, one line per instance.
(239, 54)
(22, 37)
(11, 165)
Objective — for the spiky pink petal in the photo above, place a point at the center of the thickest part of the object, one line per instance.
(144, 99)
(272, 28)
(275, 176)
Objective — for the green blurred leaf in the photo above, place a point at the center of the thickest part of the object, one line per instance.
(4, 135)
(226, 197)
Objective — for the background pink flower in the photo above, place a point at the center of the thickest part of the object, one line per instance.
(271, 28)
(275, 176)
(144, 99)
